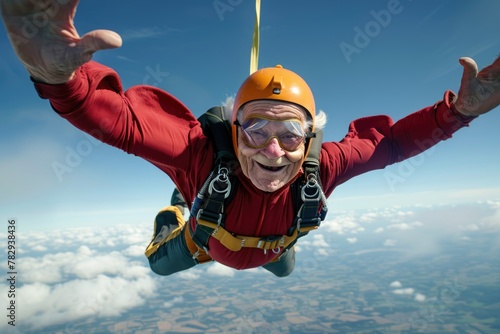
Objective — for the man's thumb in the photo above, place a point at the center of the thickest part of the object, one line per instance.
(470, 68)
(100, 40)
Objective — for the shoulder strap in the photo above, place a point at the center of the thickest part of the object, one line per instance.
(220, 186)
(308, 198)
(217, 127)
(312, 159)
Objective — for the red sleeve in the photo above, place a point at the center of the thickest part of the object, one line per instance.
(144, 121)
(376, 142)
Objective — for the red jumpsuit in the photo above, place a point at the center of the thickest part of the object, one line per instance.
(154, 125)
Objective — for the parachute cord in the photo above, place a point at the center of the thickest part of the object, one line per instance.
(254, 53)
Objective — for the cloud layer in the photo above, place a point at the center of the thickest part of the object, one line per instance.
(73, 274)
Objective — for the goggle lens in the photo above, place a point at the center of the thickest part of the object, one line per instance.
(258, 132)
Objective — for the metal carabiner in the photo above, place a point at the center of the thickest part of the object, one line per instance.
(311, 183)
(221, 179)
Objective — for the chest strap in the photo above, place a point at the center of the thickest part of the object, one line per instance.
(235, 242)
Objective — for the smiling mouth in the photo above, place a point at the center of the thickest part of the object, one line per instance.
(271, 168)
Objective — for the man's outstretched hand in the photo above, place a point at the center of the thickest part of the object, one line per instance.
(44, 38)
(479, 92)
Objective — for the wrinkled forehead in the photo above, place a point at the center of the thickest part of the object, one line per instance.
(273, 110)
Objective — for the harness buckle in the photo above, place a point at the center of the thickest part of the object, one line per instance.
(195, 255)
(313, 184)
(318, 195)
(219, 217)
(221, 181)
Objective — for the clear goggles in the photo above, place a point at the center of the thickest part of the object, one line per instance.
(258, 132)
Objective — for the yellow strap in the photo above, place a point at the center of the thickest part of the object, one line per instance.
(254, 53)
(236, 242)
(152, 248)
(198, 253)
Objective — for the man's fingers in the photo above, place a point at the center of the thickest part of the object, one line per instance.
(100, 40)
(491, 73)
(43, 9)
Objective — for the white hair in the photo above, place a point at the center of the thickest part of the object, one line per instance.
(319, 120)
(228, 107)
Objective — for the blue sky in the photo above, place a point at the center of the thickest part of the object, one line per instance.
(201, 55)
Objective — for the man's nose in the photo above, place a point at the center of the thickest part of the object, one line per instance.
(273, 149)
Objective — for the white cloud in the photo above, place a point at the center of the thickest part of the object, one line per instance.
(492, 223)
(401, 226)
(218, 269)
(148, 32)
(85, 251)
(406, 291)
(470, 227)
(390, 242)
(322, 252)
(89, 281)
(80, 264)
(255, 270)
(404, 214)
(84, 264)
(142, 33)
(399, 290)
(39, 248)
(191, 274)
(342, 224)
(43, 270)
(91, 266)
(45, 305)
(405, 226)
(420, 297)
(319, 241)
(332, 226)
(368, 217)
(113, 236)
(396, 284)
(135, 251)
(171, 303)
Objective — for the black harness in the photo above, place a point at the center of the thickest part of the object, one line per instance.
(309, 201)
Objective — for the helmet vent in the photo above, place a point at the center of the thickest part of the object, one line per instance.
(276, 91)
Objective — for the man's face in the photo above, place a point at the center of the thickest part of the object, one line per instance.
(266, 163)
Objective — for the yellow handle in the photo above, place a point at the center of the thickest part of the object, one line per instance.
(254, 53)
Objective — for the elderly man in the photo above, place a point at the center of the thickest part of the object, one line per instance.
(273, 126)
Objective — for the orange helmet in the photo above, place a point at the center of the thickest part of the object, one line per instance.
(274, 83)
